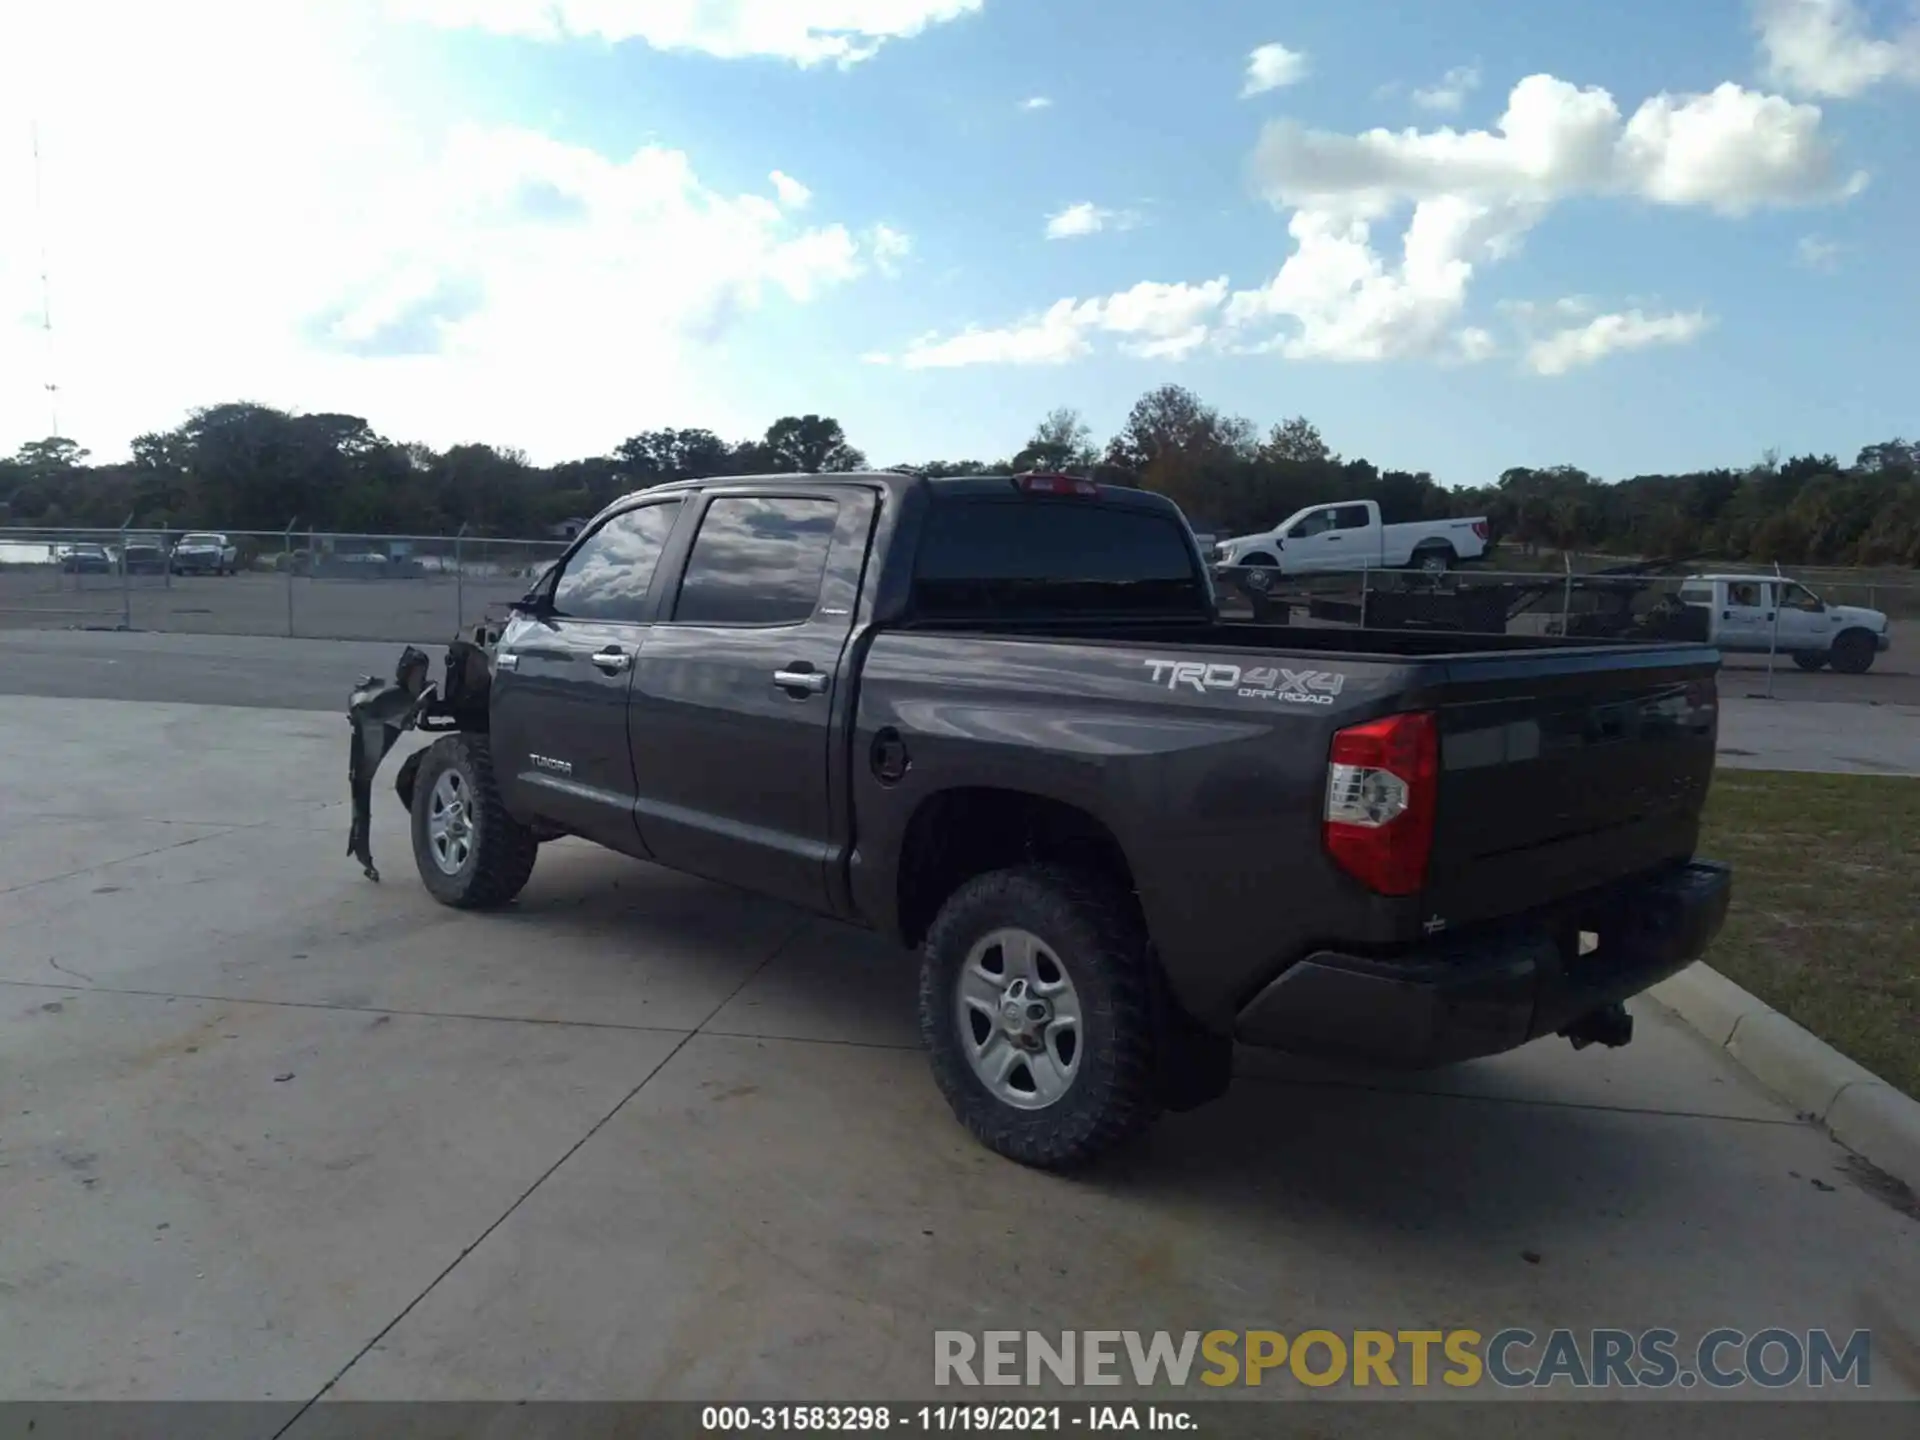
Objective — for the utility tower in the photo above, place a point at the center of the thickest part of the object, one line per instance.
(51, 384)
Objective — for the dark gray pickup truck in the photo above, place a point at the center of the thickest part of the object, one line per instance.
(1001, 720)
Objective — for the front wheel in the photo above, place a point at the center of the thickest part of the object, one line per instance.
(1036, 1008)
(471, 854)
(1853, 652)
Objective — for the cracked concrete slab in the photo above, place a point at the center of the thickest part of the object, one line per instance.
(225, 1201)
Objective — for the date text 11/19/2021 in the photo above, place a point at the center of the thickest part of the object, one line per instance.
(945, 1419)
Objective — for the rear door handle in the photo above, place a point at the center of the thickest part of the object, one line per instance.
(613, 659)
(812, 681)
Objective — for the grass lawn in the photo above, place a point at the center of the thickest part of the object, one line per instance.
(1825, 925)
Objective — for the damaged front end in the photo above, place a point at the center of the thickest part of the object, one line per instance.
(380, 712)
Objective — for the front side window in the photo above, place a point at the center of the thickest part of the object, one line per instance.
(609, 576)
(758, 560)
(1319, 522)
(1798, 597)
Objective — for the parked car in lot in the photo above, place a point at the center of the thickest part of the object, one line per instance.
(145, 555)
(1748, 614)
(86, 559)
(1000, 720)
(204, 552)
(1350, 537)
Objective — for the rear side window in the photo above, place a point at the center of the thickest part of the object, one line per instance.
(758, 560)
(1350, 517)
(1696, 594)
(608, 577)
(1009, 558)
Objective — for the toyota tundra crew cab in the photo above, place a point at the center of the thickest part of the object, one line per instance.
(1000, 720)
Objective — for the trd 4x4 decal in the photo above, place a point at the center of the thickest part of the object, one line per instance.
(1289, 687)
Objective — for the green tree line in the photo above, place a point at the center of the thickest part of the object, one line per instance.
(251, 467)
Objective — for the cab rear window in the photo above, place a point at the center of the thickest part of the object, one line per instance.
(1032, 557)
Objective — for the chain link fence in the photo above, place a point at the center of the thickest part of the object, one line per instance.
(1463, 602)
(317, 584)
(304, 583)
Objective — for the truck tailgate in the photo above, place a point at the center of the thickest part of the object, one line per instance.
(1560, 772)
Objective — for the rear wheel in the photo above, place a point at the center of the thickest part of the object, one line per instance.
(1853, 652)
(1036, 1007)
(1809, 660)
(471, 854)
(1434, 562)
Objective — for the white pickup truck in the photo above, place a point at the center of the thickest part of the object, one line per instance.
(1349, 536)
(1750, 614)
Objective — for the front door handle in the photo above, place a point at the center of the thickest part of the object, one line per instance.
(613, 659)
(814, 682)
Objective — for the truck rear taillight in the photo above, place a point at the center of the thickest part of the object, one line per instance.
(1383, 780)
(1480, 529)
(1057, 485)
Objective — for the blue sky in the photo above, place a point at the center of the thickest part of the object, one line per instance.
(466, 221)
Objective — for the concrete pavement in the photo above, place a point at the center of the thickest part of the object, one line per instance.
(268, 1130)
(1758, 734)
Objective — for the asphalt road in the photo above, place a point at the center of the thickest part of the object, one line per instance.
(195, 669)
(317, 674)
(257, 604)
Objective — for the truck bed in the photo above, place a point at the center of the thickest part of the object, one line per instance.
(1204, 747)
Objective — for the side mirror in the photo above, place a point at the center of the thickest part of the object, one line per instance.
(535, 604)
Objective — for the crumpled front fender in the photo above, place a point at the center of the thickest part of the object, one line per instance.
(379, 714)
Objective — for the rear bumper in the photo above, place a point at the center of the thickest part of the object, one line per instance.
(1457, 999)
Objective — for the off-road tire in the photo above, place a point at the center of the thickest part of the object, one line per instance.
(501, 860)
(1853, 652)
(1809, 659)
(1094, 931)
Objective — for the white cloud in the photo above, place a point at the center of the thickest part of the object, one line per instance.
(1271, 67)
(1087, 218)
(1452, 91)
(792, 193)
(1606, 335)
(1823, 47)
(806, 32)
(1819, 254)
(1345, 303)
(888, 247)
(1470, 198)
(1732, 149)
(1473, 195)
(448, 283)
(1151, 321)
(1036, 102)
(1475, 344)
